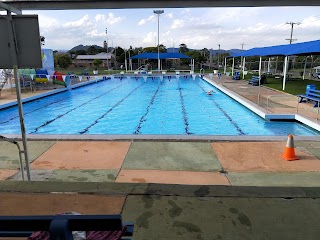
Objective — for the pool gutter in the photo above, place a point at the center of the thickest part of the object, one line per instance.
(262, 112)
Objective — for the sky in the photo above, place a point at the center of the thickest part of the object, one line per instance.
(198, 28)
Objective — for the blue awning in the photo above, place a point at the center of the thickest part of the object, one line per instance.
(304, 48)
(147, 55)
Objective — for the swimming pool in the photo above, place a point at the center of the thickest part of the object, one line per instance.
(144, 106)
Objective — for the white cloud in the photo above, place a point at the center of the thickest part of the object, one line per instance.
(149, 38)
(47, 22)
(198, 28)
(169, 15)
(177, 23)
(112, 19)
(84, 21)
(100, 18)
(167, 33)
(151, 18)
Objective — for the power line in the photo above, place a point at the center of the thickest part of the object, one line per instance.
(292, 24)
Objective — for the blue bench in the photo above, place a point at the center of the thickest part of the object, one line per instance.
(61, 226)
(311, 95)
(236, 76)
(254, 81)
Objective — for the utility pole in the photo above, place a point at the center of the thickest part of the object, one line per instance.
(242, 44)
(292, 24)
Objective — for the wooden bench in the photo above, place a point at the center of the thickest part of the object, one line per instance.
(311, 95)
(61, 226)
(254, 81)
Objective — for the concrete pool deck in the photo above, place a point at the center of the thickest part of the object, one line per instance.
(191, 163)
(206, 189)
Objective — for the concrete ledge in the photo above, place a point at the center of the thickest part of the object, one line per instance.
(156, 138)
(160, 189)
(262, 113)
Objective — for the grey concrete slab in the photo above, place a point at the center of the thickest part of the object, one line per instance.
(9, 154)
(222, 218)
(36, 175)
(84, 175)
(310, 147)
(297, 179)
(186, 156)
(159, 189)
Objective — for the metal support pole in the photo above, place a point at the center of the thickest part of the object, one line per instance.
(125, 60)
(244, 63)
(158, 43)
(225, 65)
(158, 12)
(14, 51)
(23, 130)
(232, 67)
(304, 69)
(259, 81)
(285, 72)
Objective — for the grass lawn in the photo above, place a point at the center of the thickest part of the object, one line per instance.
(294, 86)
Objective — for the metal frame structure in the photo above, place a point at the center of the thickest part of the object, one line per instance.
(14, 51)
(118, 4)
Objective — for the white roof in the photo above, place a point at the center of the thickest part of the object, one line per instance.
(317, 67)
(101, 56)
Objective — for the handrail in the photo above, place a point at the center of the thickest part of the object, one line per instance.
(201, 71)
(2, 138)
(274, 96)
(297, 107)
(318, 111)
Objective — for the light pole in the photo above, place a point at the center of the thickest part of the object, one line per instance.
(107, 48)
(158, 12)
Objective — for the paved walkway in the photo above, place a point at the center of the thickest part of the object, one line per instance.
(198, 163)
(174, 190)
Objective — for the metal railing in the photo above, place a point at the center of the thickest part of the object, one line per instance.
(318, 108)
(296, 107)
(2, 138)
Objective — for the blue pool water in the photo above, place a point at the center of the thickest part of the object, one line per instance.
(136, 106)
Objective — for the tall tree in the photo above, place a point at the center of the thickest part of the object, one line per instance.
(91, 50)
(62, 60)
(183, 48)
(150, 49)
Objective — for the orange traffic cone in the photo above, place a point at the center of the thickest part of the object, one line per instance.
(289, 153)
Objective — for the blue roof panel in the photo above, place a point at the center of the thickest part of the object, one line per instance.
(173, 55)
(304, 48)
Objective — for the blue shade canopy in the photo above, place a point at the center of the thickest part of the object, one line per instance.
(147, 55)
(304, 48)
